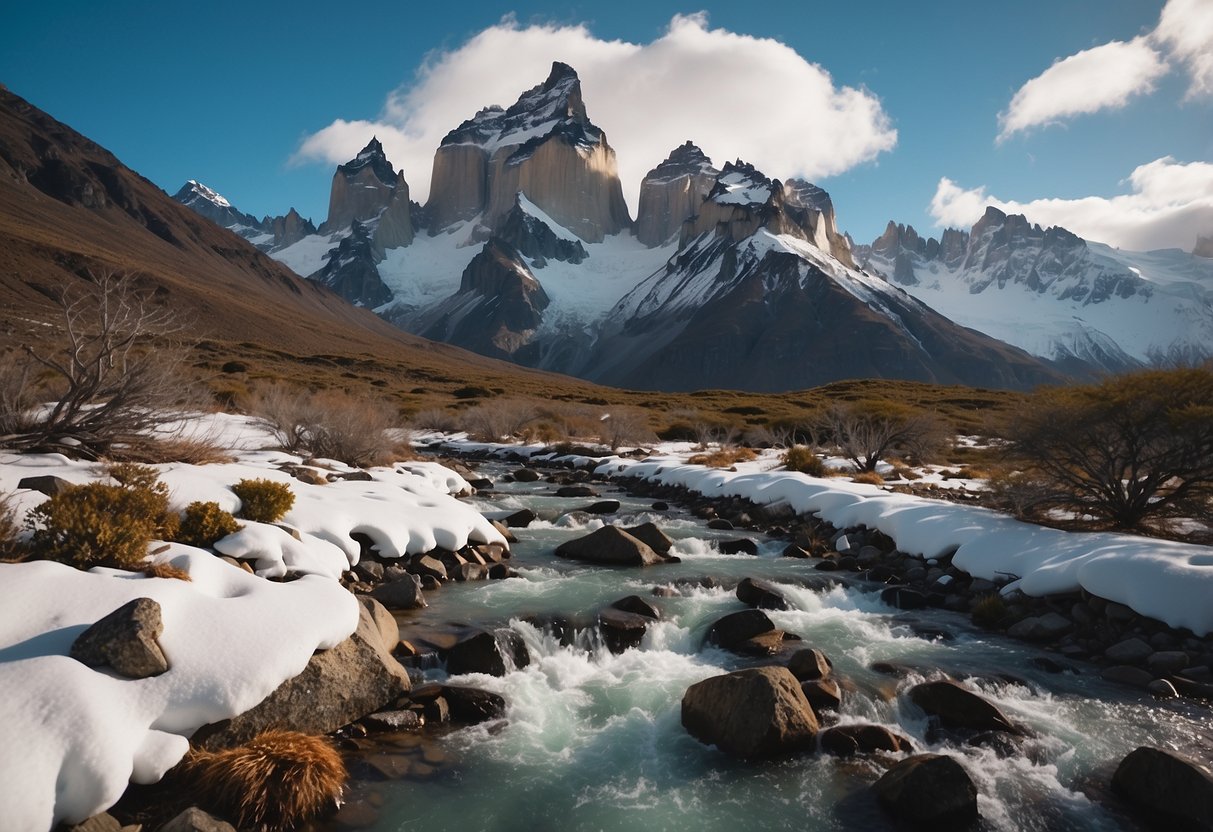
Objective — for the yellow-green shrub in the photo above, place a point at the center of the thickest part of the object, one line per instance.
(989, 611)
(204, 523)
(802, 459)
(100, 524)
(262, 500)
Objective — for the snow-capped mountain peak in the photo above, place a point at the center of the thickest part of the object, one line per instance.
(194, 190)
(741, 183)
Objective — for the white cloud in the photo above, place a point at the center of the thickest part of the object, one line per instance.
(734, 95)
(1168, 205)
(1185, 28)
(1104, 77)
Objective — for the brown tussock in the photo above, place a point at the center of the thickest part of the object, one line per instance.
(166, 570)
(275, 782)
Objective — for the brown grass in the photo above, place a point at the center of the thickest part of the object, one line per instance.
(10, 529)
(723, 458)
(193, 450)
(868, 477)
(166, 570)
(277, 781)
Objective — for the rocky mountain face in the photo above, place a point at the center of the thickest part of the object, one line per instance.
(753, 301)
(672, 192)
(350, 269)
(1053, 293)
(543, 145)
(367, 190)
(267, 234)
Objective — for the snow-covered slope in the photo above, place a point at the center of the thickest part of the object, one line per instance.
(1054, 294)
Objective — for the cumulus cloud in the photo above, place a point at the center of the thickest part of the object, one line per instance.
(1169, 203)
(1106, 77)
(734, 95)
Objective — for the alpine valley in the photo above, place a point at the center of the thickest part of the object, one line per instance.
(726, 278)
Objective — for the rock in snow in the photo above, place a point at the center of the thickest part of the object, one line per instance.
(126, 640)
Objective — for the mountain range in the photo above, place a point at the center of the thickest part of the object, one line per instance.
(525, 251)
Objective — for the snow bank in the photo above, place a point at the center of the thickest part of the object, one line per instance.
(74, 736)
(1169, 581)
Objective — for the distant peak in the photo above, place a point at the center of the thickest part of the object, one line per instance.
(193, 189)
(372, 156)
(685, 160)
(560, 72)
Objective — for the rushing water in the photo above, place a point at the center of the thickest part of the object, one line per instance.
(593, 741)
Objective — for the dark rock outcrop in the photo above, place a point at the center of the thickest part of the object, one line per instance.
(762, 594)
(610, 545)
(1170, 790)
(125, 640)
(672, 192)
(494, 653)
(736, 628)
(367, 190)
(958, 707)
(928, 791)
(350, 270)
(755, 713)
(846, 740)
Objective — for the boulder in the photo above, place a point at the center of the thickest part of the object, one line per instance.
(1129, 651)
(385, 622)
(1128, 675)
(493, 653)
(526, 475)
(47, 484)
(622, 630)
(928, 791)
(125, 640)
(794, 551)
(339, 686)
(636, 604)
(472, 705)
(762, 594)
(809, 664)
(720, 524)
(103, 822)
(401, 720)
(755, 713)
(369, 570)
(403, 592)
(610, 545)
(740, 546)
(903, 598)
(576, 491)
(602, 507)
(194, 819)
(845, 740)
(1047, 627)
(1162, 689)
(737, 627)
(763, 644)
(426, 565)
(519, 519)
(958, 707)
(1168, 661)
(822, 694)
(1170, 790)
(655, 538)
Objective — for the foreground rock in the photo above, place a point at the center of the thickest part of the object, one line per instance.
(846, 740)
(755, 713)
(494, 653)
(762, 594)
(613, 546)
(736, 628)
(655, 538)
(958, 707)
(1171, 791)
(125, 640)
(622, 630)
(196, 820)
(401, 592)
(338, 686)
(928, 791)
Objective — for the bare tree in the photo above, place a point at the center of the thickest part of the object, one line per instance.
(624, 426)
(866, 431)
(331, 424)
(494, 421)
(115, 378)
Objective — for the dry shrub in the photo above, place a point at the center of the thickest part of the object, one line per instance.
(18, 397)
(437, 418)
(276, 781)
(499, 420)
(192, 450)
(166, 570)
(10, 529)
(262, 500)
(868, 478)
(723, 458)
(331, 424)
(625, 426)
(205, 523)
(99, 524)
(989, 611)
(802, 459)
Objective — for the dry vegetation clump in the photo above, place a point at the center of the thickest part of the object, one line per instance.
(277, 781)
(330, 424)
(868, 478)
(165, 570)
(624, 426)
(10, 530)
(204, 523)
(803, 459)
(437, 418)
(867, 431)
(724, 457)
(103, 524)
(262, 500)
(989, 611)
(505, 419)
(160, 449)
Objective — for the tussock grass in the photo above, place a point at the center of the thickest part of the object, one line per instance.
(166, 570)
(723, 458)
(277, 781)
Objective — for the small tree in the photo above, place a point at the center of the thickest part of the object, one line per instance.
(624, 426)
(1123, 449)
(866, 431)
(112, 384)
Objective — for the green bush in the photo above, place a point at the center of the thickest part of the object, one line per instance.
(264, 501)
(802, 459)
(100, 524)
(204, 523)
(989, 611)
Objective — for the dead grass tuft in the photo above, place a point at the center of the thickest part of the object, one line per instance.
(723, 458)
(868, 477)
(166, 570)
(277, 781)
(155, 450)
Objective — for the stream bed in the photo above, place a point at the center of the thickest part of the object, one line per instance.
(593, 740)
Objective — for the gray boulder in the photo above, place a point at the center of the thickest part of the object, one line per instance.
(196, 820)
(762, 594)
(385, 622)
(338, 686)
(754, 713)
(47, 484)
(928, 791)
(401, 592)
(655, 538)
(610, 545)
(1045, 627)
(636, 604)
(1171, 791)
(125, 640)
(958, 707)
(1129, 651)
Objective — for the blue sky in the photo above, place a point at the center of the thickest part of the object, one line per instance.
(227, 92)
